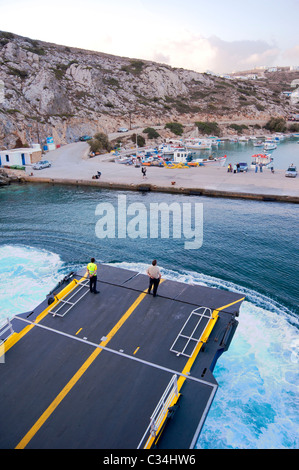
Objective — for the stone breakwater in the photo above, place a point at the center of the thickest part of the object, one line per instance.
(172, 189)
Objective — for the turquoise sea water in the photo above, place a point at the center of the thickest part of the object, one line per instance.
(248, 246)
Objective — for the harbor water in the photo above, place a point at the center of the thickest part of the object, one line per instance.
(249, 247)
(286, 153)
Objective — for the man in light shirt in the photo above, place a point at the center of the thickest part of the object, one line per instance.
(154, 275)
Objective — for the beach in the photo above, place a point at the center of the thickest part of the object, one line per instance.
(71, 165)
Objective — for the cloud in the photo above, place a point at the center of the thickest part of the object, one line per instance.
(241, 55)
(185, 50)
(198, 53)
(292, 55)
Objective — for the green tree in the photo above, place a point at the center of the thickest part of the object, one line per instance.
(100, 143)
(140, 140)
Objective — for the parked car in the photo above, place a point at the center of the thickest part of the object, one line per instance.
(84, 138)
(291, 171)
(243, 166)
(122, 129)
(42, 164)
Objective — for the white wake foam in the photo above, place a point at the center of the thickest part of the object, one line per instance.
(26, 276)
(256, 405)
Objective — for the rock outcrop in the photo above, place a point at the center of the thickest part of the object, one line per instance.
(7, 178)
(53, 90)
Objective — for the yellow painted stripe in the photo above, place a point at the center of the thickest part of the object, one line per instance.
(136, 350)
(79, 331)
(190, 363)
(15, 337)
(47, 413)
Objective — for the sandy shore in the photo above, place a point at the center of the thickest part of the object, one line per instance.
(70, 166)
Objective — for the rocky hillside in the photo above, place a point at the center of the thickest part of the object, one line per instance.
(53, 90)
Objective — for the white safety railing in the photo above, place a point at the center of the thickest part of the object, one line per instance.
(188, 341)
(4, 327)
(156, 419)
(66, 299)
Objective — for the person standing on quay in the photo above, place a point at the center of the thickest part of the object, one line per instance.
(154, 275)
(92, 271)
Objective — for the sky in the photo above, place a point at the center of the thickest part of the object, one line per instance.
(222, 36)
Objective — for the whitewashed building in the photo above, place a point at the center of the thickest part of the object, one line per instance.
(20, 157)
(295, 96)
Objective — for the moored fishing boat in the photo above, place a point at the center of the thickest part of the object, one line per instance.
(181, 155)
(263, 159)
(198, 144)
(167, 150)
(212, 161)
(270, 146)
(124, 160)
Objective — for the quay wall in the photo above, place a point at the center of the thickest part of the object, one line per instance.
(145, 187)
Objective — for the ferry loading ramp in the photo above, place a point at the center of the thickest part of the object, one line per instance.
(115, 370)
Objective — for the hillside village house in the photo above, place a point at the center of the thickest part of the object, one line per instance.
(21, 157)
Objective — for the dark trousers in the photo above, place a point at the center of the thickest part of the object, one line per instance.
(155, 283)
(93, 283)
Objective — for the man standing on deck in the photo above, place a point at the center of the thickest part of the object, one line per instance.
(154, 275)
(92, 271)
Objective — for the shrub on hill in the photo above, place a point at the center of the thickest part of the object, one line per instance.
(293, 127)
(207, 127)
(151, 133)
(175, 127)
(238, 127)
(276, 125)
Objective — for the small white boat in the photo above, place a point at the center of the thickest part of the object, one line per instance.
(278, 137)
(182, 155)
(270, 146)
(211, 161)
(124, 160)
(214, 141)
(168, 149)
(258, 144)
(198, 144)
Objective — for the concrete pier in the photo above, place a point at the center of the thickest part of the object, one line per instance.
(70, 165)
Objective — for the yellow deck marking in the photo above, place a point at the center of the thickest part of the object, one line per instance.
(47, 413)
(136, 350)
(51, 408)
(78, 331)
(15, 337)
(189, 364)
